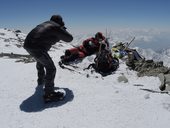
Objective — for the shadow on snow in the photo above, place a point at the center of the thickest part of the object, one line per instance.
(35, 103)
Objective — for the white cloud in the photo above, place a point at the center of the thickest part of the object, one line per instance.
(146, 38)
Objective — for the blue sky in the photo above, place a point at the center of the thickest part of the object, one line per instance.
(86, 15)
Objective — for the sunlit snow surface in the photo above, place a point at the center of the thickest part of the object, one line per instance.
(93, 102)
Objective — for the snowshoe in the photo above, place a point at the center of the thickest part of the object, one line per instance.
(53, 97)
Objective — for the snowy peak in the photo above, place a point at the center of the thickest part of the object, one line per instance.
(166, 52)
(150, 54)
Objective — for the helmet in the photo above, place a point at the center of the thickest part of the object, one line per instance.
(58, 19)
(99, 36)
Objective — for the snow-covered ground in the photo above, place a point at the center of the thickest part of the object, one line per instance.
(93, 102)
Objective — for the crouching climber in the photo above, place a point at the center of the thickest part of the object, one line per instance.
(89, 47)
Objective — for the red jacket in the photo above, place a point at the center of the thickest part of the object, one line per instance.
(92, 45)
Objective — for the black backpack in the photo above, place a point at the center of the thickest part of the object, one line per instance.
(105, 63)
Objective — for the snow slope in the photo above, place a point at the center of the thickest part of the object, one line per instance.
(93, 102)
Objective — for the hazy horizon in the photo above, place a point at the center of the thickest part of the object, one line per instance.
(90, 16)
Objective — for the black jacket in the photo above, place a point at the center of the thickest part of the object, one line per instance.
(43, 36)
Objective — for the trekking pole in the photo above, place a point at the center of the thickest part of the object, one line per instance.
(100, 41)
(100, 49)
(107, 38)
(67, 43)
(106, 33)
(130, 42)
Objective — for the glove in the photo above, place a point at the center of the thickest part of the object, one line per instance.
(88, 45)
(91, 44)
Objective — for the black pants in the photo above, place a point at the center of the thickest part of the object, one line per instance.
(44, 61)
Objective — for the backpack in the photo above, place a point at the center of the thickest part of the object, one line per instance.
(105, 63)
